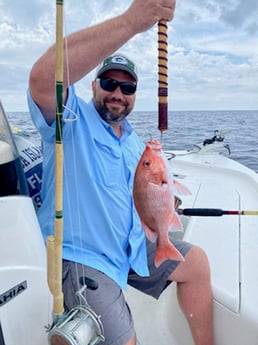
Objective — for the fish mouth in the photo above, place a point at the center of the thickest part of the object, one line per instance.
(156, 180)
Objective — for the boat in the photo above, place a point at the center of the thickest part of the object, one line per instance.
(219, 215)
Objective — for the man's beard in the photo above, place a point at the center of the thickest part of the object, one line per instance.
(109, 116)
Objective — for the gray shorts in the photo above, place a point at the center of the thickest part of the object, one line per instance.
(108, 300)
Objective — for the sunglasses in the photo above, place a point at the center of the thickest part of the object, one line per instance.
(126, 87)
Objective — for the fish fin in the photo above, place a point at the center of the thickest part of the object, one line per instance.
(180, 188)
(169, 252)
(176, 223)
(150, 234)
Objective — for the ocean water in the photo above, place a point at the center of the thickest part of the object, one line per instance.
(185, 128)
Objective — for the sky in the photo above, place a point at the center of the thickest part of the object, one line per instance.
(212, 45)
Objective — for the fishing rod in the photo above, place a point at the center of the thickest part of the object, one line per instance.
(215, 212)
(55, 242)
(81, 325)
(163, 76)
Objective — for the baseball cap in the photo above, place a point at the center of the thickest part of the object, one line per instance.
(117, 62)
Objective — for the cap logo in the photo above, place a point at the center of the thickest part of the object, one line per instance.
(120, 59)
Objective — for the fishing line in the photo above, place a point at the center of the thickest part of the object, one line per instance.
(72, 112)
(71, 208)
(75, 176)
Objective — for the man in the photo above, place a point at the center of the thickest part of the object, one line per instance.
(103, 238)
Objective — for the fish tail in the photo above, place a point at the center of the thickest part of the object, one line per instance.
(168, 252)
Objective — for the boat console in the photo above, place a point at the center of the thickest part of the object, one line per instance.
(25, 300)
(12, 178)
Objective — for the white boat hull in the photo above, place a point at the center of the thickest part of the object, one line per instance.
(25, 301)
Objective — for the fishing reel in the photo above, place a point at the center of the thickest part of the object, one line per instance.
(80, 326)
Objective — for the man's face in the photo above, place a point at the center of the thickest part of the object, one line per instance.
(113, 106)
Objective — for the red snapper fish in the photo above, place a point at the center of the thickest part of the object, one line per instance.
(154, 201)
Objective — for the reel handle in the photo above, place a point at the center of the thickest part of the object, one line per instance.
(90, 283)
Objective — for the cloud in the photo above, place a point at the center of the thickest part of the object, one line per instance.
(213, 59)
(21, 15)
(238, 14)
(242, 14)
(204, 74)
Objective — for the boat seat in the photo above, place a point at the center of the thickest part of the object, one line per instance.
(221, 241)
(8, 176)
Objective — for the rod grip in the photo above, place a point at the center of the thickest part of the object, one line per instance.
(163, 75)
(201, 212)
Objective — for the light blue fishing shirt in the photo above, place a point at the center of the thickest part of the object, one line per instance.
(101, 226)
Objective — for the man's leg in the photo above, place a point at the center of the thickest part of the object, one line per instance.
(195, 294)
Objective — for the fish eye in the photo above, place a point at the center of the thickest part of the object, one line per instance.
(146, 164)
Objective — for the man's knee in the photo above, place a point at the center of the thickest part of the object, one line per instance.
(132, 341)
(195, 266)
(200, 264)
